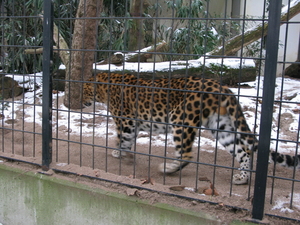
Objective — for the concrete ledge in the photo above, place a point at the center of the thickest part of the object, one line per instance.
(33, 198)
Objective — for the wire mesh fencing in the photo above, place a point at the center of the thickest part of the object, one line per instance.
(187, 98)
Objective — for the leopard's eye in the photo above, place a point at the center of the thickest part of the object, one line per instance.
(87, 104)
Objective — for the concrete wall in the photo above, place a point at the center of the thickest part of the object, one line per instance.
(33, 198)
(288, 37)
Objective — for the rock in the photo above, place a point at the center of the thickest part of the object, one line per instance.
(177, 188)
(132, 191)
(59, 77)
(293, 70)
(10, 88)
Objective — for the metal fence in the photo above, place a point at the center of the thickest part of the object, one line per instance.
(38, 128)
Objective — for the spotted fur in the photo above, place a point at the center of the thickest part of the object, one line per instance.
(285, 160)
(182, 105)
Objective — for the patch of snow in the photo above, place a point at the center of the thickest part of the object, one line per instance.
(286, 8)
(189, 189)
(235, 194)
(283, 204)
(62, 164)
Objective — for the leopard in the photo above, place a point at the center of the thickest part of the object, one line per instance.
(181, 105)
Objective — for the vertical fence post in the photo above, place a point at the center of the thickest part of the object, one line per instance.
(47, 84)
(267, 109)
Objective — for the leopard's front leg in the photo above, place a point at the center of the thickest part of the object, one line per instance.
(127, 132)
(244, 159)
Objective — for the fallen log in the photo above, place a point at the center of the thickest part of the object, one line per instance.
(235, 44)
(138, 56)
(228, 71)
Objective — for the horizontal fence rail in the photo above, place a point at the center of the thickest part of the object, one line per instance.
(125, 91)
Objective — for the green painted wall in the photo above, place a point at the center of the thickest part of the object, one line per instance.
(33, 198)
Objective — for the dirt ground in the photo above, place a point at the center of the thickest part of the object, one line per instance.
(91, 156)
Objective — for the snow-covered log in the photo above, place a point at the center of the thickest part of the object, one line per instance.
(229, 71)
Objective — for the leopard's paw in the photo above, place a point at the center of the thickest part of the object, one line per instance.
(169, 167)
(240, 179)
(118, 154)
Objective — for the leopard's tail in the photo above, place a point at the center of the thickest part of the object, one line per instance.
(285, 160)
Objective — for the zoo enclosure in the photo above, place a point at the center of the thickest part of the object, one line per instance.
(50, 134)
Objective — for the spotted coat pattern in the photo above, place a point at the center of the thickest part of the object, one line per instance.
(180, 105)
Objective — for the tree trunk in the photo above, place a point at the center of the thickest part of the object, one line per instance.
(242, 40)
(82, 56)
(136, 32)
(61, 44)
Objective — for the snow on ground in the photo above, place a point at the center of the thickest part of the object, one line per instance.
(285, 88)
(283, 203)
(63, 118)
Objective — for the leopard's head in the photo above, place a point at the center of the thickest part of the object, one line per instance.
(88, 95)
